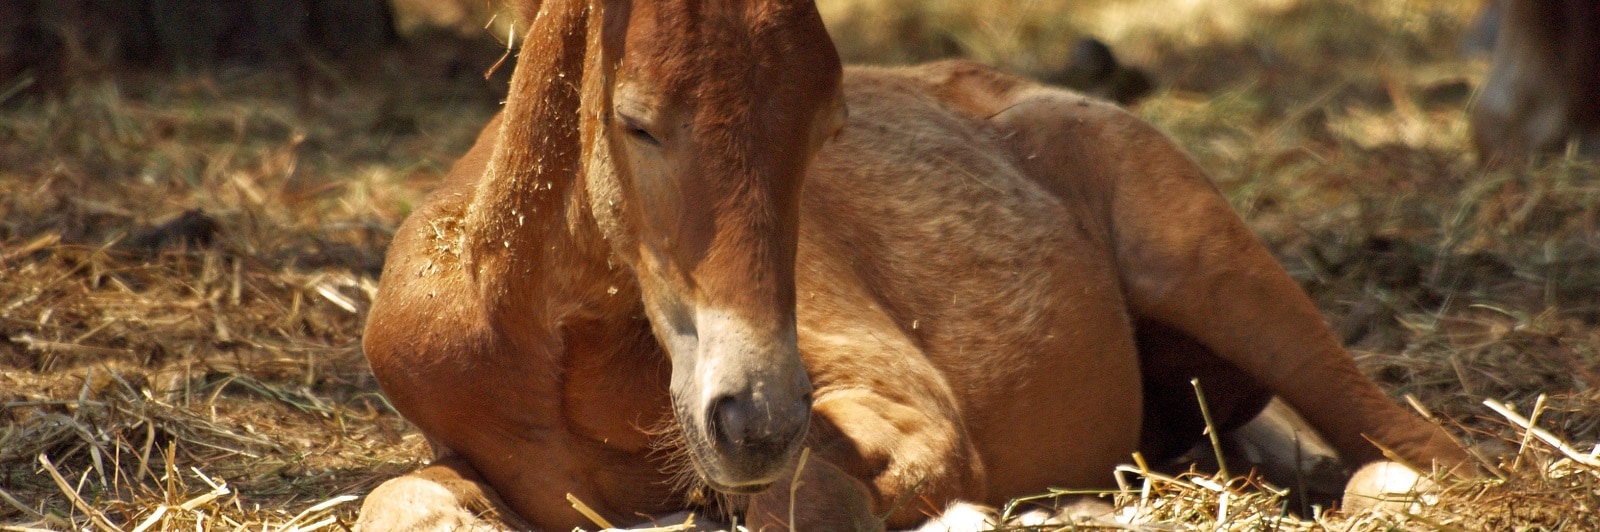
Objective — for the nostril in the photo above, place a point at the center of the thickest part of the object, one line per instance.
(738, 422)
(730, 420)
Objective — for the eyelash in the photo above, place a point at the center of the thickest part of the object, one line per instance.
(642, 136)
(638, 133)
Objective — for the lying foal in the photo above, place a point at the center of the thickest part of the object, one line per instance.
(949, 283)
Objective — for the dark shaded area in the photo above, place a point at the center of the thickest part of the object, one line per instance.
(45, 45)
(1095, 71)
(144, 96)
(1168, 359)
(192, 229)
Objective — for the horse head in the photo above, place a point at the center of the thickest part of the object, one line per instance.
(698, 130)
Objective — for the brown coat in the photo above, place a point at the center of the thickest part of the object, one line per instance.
(967, 290)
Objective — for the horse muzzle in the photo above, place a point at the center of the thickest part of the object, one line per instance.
(744, 402)
(753, 437)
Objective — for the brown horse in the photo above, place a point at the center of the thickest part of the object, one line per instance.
(973, 289)
(1543, 89)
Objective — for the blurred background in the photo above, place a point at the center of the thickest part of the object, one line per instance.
(195, 198)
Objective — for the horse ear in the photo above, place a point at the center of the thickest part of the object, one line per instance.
(526, 10)
(608, 24)
(538, 143)
(611, 18)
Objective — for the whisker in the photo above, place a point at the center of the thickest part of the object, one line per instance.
(669, 447)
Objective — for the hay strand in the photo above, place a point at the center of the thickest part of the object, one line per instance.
(1543, 435)
(98, 519)
(589, 513)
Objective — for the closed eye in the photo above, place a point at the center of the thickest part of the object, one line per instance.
(637, 132)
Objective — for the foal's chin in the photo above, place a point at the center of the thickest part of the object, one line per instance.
(741, 472)
(744, 489)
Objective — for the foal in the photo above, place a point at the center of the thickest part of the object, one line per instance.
(973, 289)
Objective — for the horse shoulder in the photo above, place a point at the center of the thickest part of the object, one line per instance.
(428, 334)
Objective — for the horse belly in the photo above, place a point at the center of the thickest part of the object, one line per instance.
(1053, 388)
(1012, 295)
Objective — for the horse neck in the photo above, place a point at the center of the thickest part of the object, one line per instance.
(533, 245)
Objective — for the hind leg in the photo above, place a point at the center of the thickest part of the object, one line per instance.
(446, 495)
(1188, 262)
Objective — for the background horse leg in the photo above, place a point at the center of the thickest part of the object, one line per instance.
(446, 495)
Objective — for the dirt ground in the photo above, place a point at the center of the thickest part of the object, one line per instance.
(185, 262)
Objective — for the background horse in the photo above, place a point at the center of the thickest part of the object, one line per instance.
(1543, 89)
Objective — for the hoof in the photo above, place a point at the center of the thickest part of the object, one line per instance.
(1387, 486)
(961, 517)
(411, 504)
(1077, 511)
(676, 522)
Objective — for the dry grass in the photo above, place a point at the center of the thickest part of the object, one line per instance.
(220, 385)
(151, 375)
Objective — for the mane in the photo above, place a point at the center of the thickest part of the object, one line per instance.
(536, 156)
